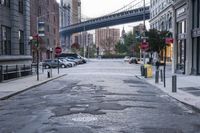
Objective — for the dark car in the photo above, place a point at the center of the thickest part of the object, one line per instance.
(133, 60)
(53, 64)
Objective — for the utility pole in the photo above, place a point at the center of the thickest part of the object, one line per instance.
(84, 41)
(37, 51)
(144, 40)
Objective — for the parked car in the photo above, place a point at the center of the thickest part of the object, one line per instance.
(72, 60)
(133, 60)
(53, 63)
(73, 56)
(126, 59)
(70, 64)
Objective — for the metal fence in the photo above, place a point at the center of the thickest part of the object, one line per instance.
(8, 72)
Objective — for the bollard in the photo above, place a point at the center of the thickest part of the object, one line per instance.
(6, 72)
(157, 76)
(48, 74)
(1, 73)
(145, 72)
(142, 70)
(161, 75)
(174, 83)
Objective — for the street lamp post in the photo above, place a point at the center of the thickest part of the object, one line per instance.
(51, 56)
(37, 47)
(144, 39)
(37, 54)
(84, 41)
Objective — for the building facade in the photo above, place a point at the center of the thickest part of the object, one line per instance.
(85, 39)
(46, 11)
(70, 13)
(161, 15)
(14, 32)
(106, 39)
(161, 18)
(65, 13)
(195, 36)
(186, 33)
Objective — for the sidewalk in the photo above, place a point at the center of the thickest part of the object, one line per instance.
(188, 87)
(16, 86)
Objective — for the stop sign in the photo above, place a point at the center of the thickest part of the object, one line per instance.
(58, 50)
(144, 46)
(169, 40)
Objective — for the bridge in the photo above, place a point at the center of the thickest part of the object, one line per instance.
(134, 15)
(133, 12)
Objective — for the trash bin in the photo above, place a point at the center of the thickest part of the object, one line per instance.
(149, 71)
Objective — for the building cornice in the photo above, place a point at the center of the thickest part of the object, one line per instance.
(162, 12)
(179, 3)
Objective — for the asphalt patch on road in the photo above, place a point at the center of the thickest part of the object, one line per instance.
(161, 130)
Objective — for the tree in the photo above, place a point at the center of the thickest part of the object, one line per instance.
(107, 45)
(156, 40)
(120, 48)
(75, 47)
(131, 43)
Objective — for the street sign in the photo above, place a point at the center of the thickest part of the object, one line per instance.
(144, 46)
(169, 40)
(58, 50)
(41, 29)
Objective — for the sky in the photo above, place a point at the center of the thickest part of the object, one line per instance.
(96, 8)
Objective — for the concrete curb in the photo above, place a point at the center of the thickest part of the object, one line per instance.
(26, 89)
(181, 101)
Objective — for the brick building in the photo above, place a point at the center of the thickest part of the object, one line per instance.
(46, 11)
(107, 35)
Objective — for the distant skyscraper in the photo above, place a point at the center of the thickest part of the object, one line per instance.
(70, 13)
(123, 34)
(65, 8)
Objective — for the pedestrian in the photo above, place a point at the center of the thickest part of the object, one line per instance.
(157, 65)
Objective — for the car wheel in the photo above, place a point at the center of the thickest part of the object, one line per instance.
(62, 66)
(47, 66)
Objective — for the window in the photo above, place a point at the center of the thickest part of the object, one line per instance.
(39, 11)
(5, 3)
(21, 5)
(170, 22)
(21, 42)
(6, 40)
(54, 30)
(54, 19)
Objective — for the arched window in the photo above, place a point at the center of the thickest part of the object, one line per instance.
(170, 22)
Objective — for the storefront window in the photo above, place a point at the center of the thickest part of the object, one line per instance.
(6, 40)
(181, 46)
(21, 42)
(21, 5)
(5, 3)
(181, 55)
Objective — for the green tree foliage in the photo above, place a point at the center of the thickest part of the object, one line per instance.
(156, 39)
(130, 45)
(120, 48)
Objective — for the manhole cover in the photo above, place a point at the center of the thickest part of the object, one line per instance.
(85, 119)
